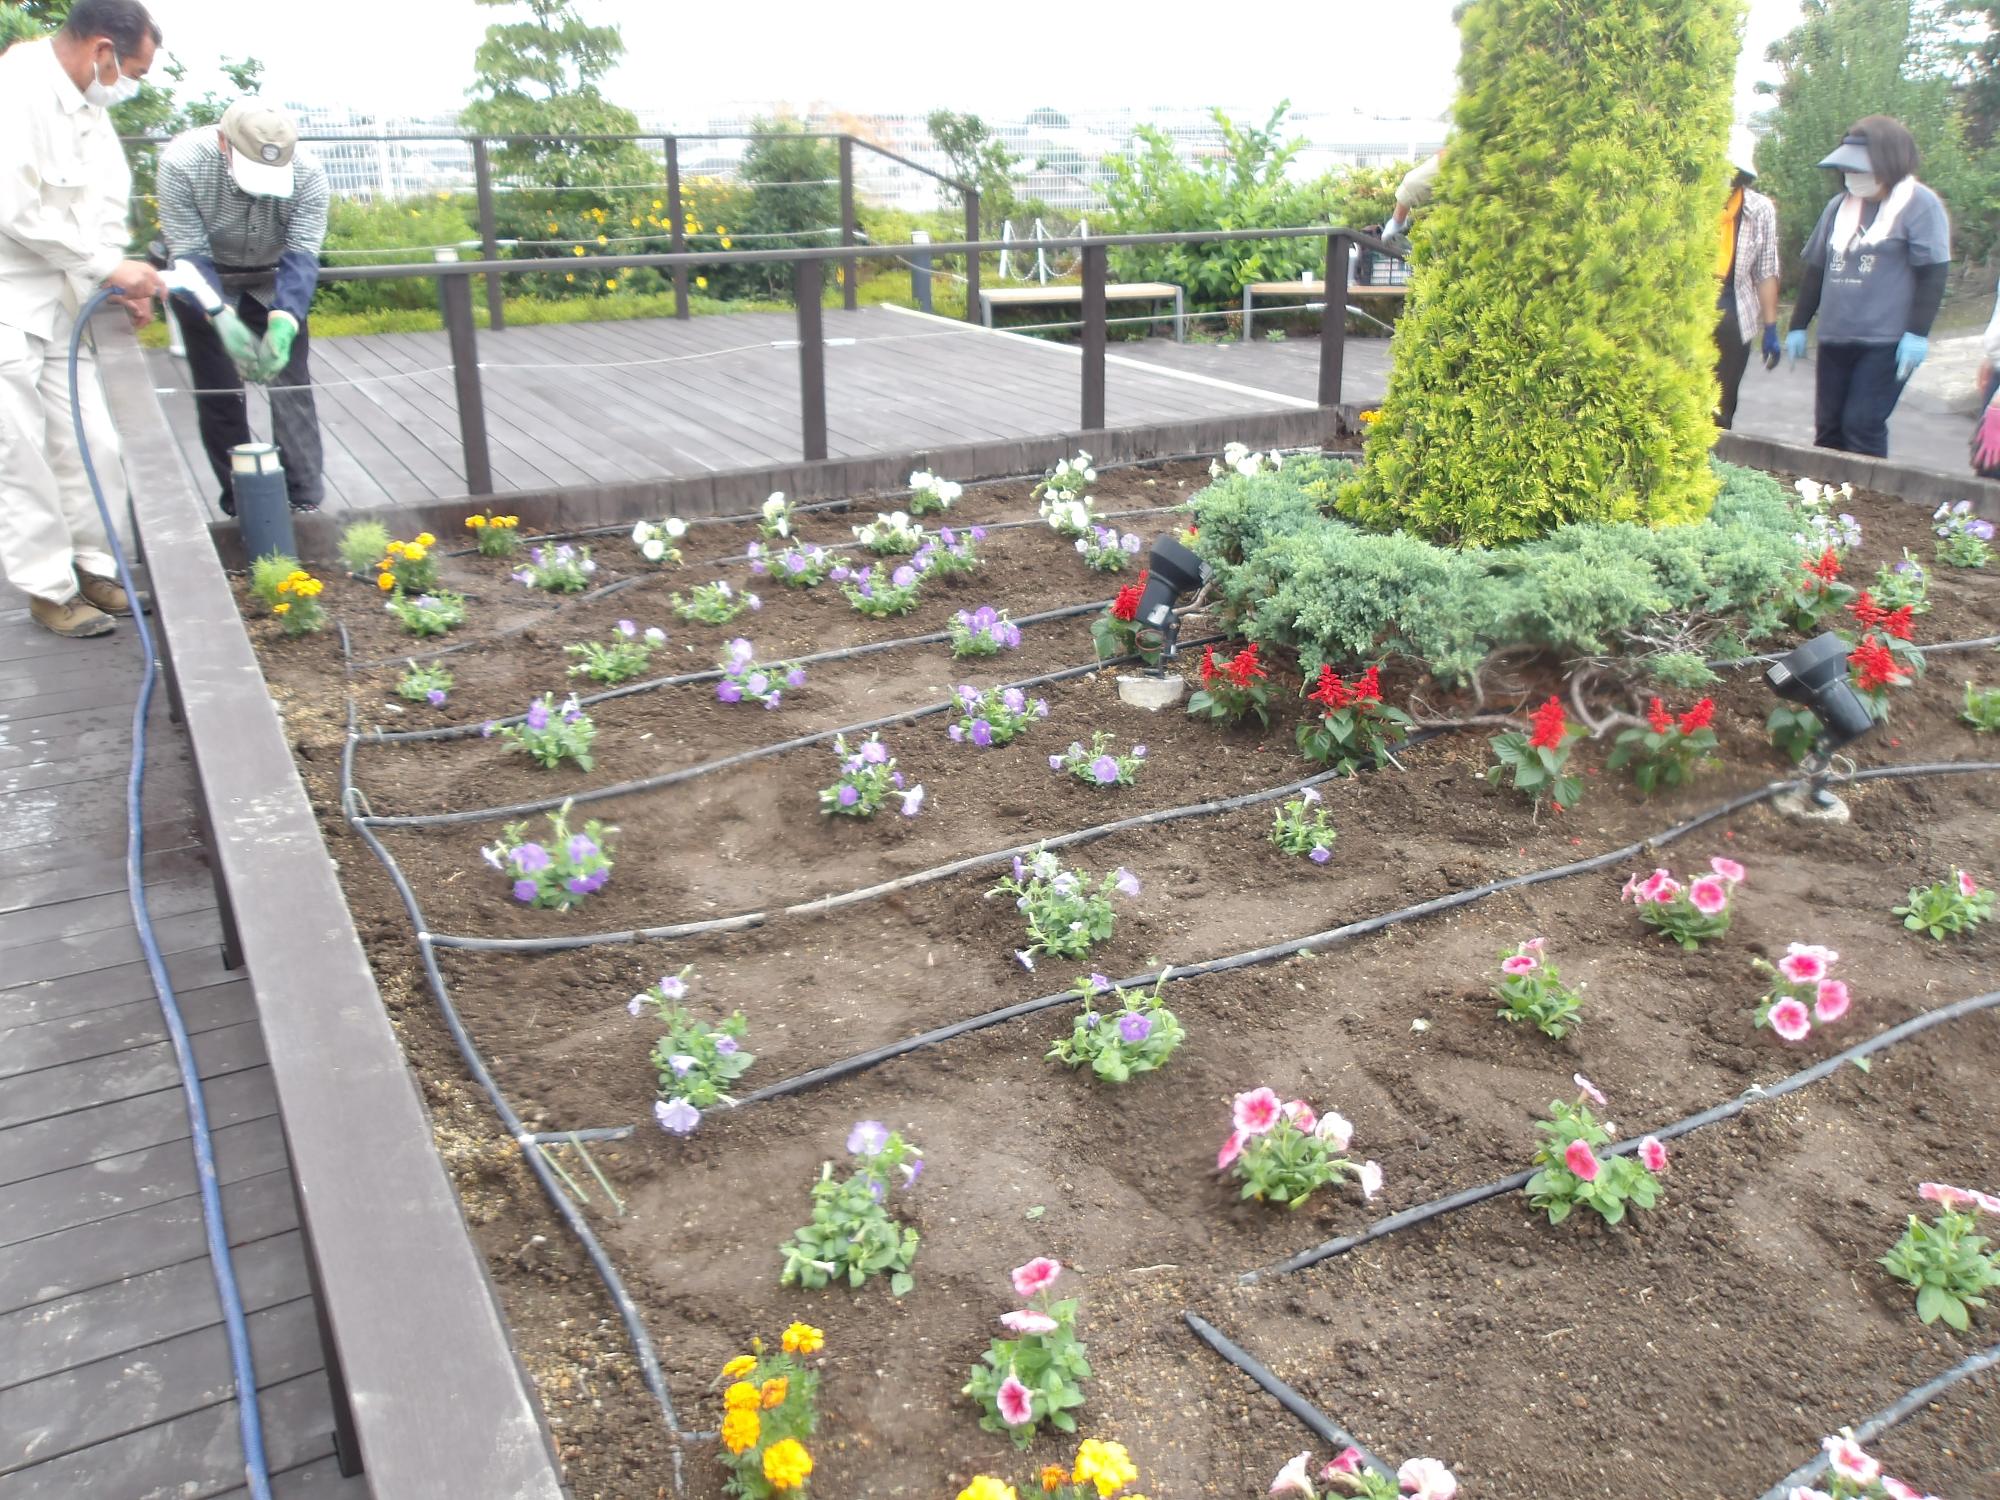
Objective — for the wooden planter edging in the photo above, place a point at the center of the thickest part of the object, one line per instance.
(439, 1408)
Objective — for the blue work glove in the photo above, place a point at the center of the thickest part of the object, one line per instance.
(1795, 344)
(1910, 351)
(1770, 346)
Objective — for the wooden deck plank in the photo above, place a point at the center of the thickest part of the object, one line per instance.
(357, 412)
(74, 994)
(116, 1127)
(67, 957)
(64, 1088)
(161, 1234)
(59, 814)
(318, 1480)
(100, 875)
(170, 758)
(95, 1403)
(164, 898)
(116, 1028)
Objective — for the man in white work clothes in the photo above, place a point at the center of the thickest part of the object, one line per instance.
(64, 195)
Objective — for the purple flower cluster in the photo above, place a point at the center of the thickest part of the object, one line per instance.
(1107, 551)
(744, 680)
(550, 734)
(868, 777)
(1097, 766)
(952, 554)
(878, 597)
(561, 569)
(995, 716)
(799, 567)
(984, 631)
(558, 874)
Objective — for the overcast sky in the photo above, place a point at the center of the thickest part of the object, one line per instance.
(415, 56)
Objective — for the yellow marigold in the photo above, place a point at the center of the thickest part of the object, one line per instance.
(553, 228)
(1371, 417)
(416, 554)
(740, 1429)
(1054, 1476)
(509, 521)
(726, 242)
(611, 285)
(803, 1338)
(396, 549)
(658, 205)
(285, 585)
(385, 581)
(786, 1464)
(742, 1396)
(475, 522)
(569, 276)
(701, 283)
(738, 1367)
(722, 229)
(986, 1487)
(576, 249)
(425, 539)
(1106, 1465)
(281, 609)
(635, 221)
(602, 240)
(775, 1390)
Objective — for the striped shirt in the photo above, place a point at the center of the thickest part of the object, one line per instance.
(1756, 259)
(203, 211)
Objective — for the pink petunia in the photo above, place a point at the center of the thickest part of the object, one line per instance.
(1256, 1111)
(1709, 895)
(1832, 1001)
(1036, 1276)
(1334, 1128)
(1520, 963)
(1427, 1479)
(1590, 1090)
(1653, 1155)
(1371, 1178)
(1790, 1020)
(1667, 891)
(1016, 1401)
(1347, 1461)
(1293, 1479)
(1802, 966)
(1986, 1201)
(1231, 1149)
(1947, 1195)
(1728, 869)
(1027, 1320)
(1845, 1457)
(1631, 890)
(1578, 1159)
(1897, 1490)
(1967, 886)
(1534, 945)
(1301, 1114)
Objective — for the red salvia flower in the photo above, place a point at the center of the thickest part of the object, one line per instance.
(1550, 726)
(1207, 665)
(1875, 666)
(1331, 693)
(1126, 606)
(1867, 611)
(1898, 623)
(1699, 717)
(1827, 568)
(1658, 717)
(1243, 668)
(1368, 686)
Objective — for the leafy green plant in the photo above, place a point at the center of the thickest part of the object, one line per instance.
(770, 1407)
(1539, 759)
(1944, 1262)
(1570, 1174)
(1302, 826)
(427, 614)
(1794, 729)
(1982, 708)
(1903, 583)
(713, 603)
(561, 569)
(852, 1235)
(1231, 692)
(549, 735)
(1947, 909)
(1119, 1037)
(696, 1061)
(1284, 1153)
(1531, 990)
(557, 872)
(1036, 1376)
(1353, 726)
(1691, 914)
(1066, 916)
(363, 545)
(267, 572)
(427, 683)
(1520, 400)
(1666, 751)
(410, 566)
(619, 659)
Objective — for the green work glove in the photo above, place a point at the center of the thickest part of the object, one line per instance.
(237, 339)
(275, 352)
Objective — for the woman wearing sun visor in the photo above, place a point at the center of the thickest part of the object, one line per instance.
(1874, 274)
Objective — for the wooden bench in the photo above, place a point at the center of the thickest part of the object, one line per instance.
(1072, 296)
(1310, 290)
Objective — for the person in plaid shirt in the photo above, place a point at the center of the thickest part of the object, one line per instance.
(1747, 258)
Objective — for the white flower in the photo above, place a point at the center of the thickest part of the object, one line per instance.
(1427, 1479)
(652, 549)
(1233, 454)
(656, 635)
(640, 532)
(775, 506)
(1090, 476)
(676, 528)
(1371, 1180)
(922, 479)
(1292, 1479)
(1334, 1128)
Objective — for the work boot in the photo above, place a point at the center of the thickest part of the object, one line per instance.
(103, 593)
(73, 619)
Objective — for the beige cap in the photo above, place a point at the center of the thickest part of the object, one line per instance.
(262, 138)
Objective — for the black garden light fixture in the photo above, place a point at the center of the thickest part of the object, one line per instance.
(1171, 570)
(1815, 675)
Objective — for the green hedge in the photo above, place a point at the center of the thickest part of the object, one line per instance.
(1555, 360)
(1287, 573)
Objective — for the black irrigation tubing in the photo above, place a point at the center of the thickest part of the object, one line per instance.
(745, 920)
(1321, 1424)
(1714, 1114)
(714, 562)
(1882, 1421)
(742, 757)
(862, 1061)
(714, 674)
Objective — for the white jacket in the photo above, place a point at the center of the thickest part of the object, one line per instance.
(64, 191)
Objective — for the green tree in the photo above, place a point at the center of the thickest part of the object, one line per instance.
(538, 76)
(1850, 58)
(1555, 361)
(979, 157)
(793, 200)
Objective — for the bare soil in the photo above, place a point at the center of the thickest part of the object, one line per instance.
(1734, 1325)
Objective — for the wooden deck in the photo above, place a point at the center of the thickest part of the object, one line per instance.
(114, 1370)
(603, 403)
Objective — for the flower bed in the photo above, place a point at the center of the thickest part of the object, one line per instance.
(1022, 1156)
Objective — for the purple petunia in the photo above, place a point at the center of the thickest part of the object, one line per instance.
(578, 885)
(1025, 959)
(1104, 770)
(1055, 762)
(1138, 752)
(528, 858)
(682, 1064)
(904, 576)
(728, 691)
(676, 1116)
(628, 628)
(725, 1045)
(913, 800)
(526, 890)
(538, 714)
(436, 697)
(796, 677)
(637, 1004)
(1013, 700)
(874, 752)
(867, 1138)
(848, 796)
(757, 684)
(1320, 854)
(982, 734)
(581, 847)
(1127, 881)
(1134, 1027)
(957, 734)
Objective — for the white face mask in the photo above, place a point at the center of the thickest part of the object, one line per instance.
(1862, 184)
(121, 89)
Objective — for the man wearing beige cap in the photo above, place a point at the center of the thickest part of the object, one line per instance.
(248, 208)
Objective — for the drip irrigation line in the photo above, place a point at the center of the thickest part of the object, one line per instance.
(1889, 1416)
(1713, 1115)
(824, 904)
(714, 674)
(861, 1062)
(1317, 1421)
(742, 757)
(572, 1137)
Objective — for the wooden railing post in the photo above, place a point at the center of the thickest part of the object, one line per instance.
(455, 293)
(1094, 267)
(972, 261)
(677, 224)
(489, 242)
(848, 226)
(1333, 322)
(812, 358)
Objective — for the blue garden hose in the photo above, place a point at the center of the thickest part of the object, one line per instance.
(249, 1421)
